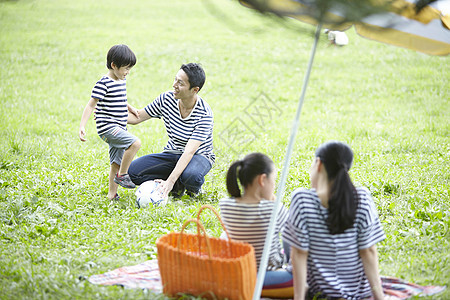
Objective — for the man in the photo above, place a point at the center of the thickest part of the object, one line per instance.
(188, 155)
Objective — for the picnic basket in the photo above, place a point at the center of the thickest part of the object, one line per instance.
(205, 266)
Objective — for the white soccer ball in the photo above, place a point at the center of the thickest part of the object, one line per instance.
(148, 193)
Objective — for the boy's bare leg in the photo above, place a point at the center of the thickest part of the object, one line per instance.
(128, 156)
(112, 190)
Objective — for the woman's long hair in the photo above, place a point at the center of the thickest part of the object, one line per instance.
(337, 158)
(246, 170)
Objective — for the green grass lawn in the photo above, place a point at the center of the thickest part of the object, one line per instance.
(390, 104)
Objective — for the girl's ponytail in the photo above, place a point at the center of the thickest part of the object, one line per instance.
(232, 179)
(337, 158)
(342, 203)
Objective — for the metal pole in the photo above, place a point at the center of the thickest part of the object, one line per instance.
(281, 186)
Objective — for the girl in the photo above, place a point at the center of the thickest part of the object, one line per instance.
(333, 229)
(247, 215)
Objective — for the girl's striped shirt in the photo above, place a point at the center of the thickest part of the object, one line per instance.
(334, 265)
(249, 223)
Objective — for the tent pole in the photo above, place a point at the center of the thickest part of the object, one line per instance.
(281, 186)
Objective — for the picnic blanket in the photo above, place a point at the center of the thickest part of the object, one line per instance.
(142, 276)
(146, 276)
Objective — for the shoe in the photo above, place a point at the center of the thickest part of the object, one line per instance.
(116, 197)
(177, 194)
(193, 194)
(124, 181)
(178, 190)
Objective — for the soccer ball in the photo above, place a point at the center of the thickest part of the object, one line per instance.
(148, 193)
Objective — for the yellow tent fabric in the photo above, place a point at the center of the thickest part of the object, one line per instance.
(397, 23)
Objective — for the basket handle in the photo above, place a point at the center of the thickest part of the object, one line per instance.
(199, 226)
(217, 215)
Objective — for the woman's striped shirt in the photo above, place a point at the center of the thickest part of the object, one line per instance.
(198, 125)
(111, 109)
(334, 265)
(249, 223)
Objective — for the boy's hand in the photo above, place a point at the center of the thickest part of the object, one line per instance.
(82, 134)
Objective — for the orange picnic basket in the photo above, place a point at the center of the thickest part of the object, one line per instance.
(209, 267)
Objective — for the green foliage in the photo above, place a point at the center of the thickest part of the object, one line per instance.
(56, 225)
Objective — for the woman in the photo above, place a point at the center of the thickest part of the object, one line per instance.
(332, 229)
(247, 215)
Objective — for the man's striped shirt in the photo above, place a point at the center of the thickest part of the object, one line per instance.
(249, 223)
(334, 265)
(198, 125)
(111, 109)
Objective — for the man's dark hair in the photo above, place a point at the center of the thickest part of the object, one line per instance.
(195, 74)
(120, 55)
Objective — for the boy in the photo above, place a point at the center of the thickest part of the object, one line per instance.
(109, 99)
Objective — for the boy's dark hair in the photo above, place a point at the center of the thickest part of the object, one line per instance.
(337, 159)
(195, 74)
(120, 55)
(246, 170)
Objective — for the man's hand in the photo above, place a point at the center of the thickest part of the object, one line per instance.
(134, 111)
(137, 116)
(165, 186)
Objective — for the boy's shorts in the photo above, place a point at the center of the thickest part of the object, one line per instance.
(118, 140)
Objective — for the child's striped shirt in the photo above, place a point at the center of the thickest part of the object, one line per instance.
(111, 109)
(250, 222)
